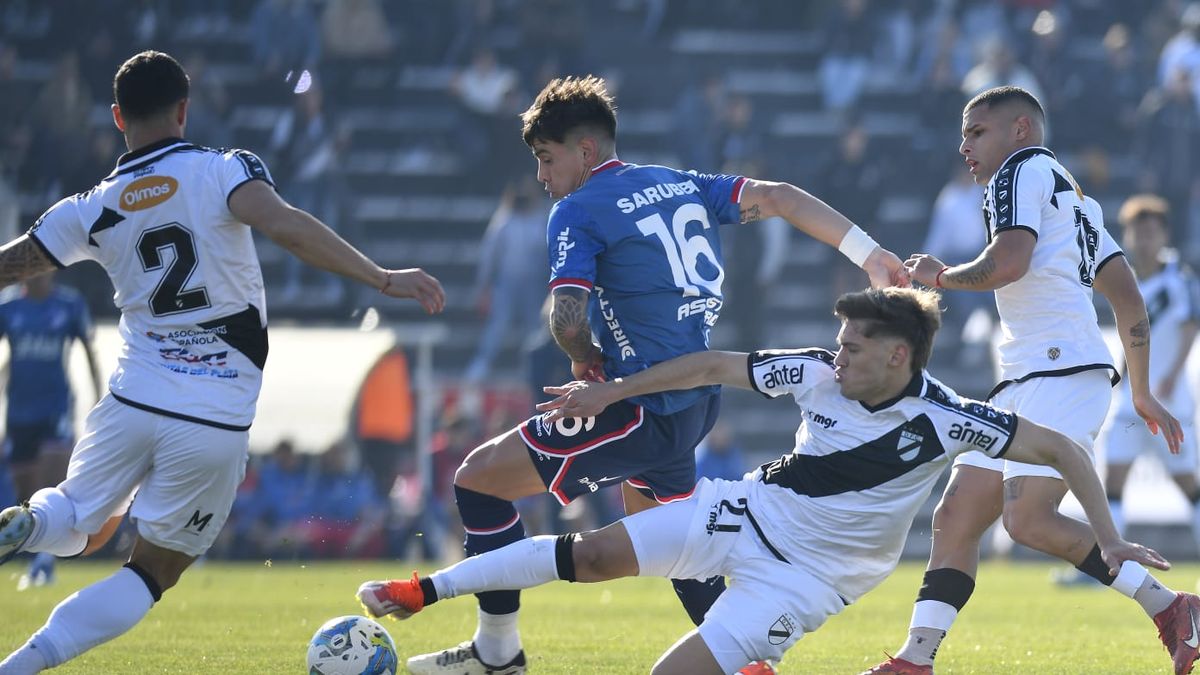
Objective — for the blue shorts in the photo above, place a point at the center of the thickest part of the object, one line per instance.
(24, 442)
(654, 453)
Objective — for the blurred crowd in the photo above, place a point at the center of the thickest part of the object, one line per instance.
(879, 84)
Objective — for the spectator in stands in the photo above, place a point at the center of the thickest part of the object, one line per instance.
(346, 515)
(60, 117)
(557, 28)
(356, 29)
(488, 92)
(1166, 146)
(1182, 51)
(284, 38)
(697, 122)
(719, 455)
(96, 158)
(851, 181)
(1116, 86)
(850, 36)
(998, 66)
(208, 104)
(956, 235)
(285, 487)
(740, 139)
(307, 150)
(508, 289)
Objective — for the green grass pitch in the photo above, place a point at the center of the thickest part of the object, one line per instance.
(254, 618)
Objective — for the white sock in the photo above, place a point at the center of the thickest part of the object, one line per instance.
(496, 637)
(1117, 508)
(931, 620)
(92, 616)
(522, 564)
(25, 661)
(1136, 582)
(54, 524)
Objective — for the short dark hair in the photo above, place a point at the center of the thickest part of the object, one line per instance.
(911, 314)
(567, 104)
(1006, 94)
(148, 84)
(1141, 206)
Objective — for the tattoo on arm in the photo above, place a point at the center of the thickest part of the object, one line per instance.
(569, 322)
(751, 213)
(1140, 332)
(977, 273)
(22, 259)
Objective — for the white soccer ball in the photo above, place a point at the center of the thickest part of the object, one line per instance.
(352, 645)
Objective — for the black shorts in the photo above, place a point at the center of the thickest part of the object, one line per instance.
(654, 453)
(24, 442)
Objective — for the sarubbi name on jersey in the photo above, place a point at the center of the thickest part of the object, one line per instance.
(655, 193)
(975, 437)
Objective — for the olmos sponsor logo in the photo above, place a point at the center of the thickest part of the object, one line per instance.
(144, 193)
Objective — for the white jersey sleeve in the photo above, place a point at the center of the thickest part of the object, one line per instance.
(62, 234)
(775, 372)
(1020, 192)
(965, 424)
(238, 167)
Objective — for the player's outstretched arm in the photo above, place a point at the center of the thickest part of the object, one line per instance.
(1036, 444)
(765, 199)
(1116, 282)
(257, 204)
(1004, 261)
(586, 399)
(22, 259)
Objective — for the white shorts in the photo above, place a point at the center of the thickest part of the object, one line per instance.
(185, 475)
(1073, 405)
(1125, 437)
(769, 604)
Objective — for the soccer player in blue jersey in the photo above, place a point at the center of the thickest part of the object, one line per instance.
(635, 260)
(40, 321)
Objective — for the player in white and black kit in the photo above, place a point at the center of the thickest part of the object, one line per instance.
(803, 536)
(1047, 249)
(169, 225)
(1172, 297)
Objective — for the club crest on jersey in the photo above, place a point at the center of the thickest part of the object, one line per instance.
(782, 629)
(144, 193)
(909, 444)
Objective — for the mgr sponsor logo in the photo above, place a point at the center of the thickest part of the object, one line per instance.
(147, 192)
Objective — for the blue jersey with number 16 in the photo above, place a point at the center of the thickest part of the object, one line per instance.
(643, 240)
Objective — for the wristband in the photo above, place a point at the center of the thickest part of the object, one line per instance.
(857, 245)
(937, 281)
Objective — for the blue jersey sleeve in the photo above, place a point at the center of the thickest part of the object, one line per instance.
(572, 245)
(723, 194)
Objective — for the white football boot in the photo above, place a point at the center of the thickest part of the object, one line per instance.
(463, 660)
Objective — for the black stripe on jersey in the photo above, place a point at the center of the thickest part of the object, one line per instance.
(253, 166)
(869, 465)
(1061, 184)
(766, 356)
(1104, 262)
(179, 416)
(1000, 420)
(244, 332)
(45, 251)
(1157, 304)
(121, 170)
(1063, 372)
(1004, 190)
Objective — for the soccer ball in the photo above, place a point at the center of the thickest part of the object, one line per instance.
(351, 645)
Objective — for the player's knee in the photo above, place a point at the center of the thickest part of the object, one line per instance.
(472, 473)
(595, 560)
(1027, 524)
(955, 521)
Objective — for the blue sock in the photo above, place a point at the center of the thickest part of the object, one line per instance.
(697, 596)
(490, 523)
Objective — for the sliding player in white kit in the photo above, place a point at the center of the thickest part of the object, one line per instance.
(803, 536)
(169, 225)
(1173, 306)
(1047, 249)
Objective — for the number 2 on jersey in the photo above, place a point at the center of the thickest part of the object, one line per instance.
(683, 252)
(169, 296)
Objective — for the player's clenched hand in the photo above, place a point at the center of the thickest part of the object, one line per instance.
(417, 284)
(1158, 419)
(1118, 552)
(923, 269)
(885, 269)
(577, 399)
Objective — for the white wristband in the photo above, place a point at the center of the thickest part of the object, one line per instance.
(857, 245)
